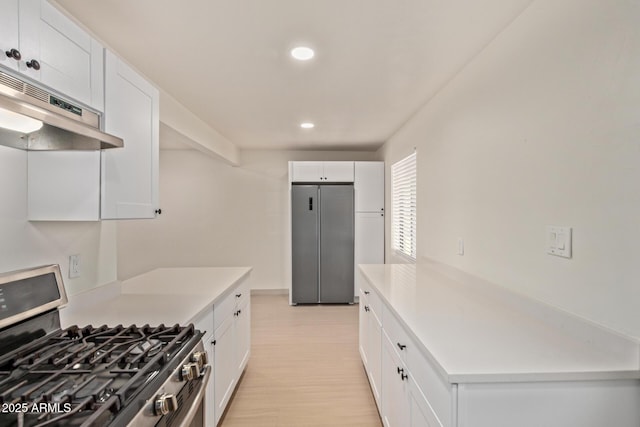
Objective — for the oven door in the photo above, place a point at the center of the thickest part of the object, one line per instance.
(193, 409)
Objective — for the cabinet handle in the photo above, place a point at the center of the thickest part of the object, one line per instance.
(238, 295)
(239, 311)
(14, 53)
(366, 292)
(366, 308)
(213, 342)
(158, 211)
(400, 370)
(404, 376)
(33, 64)
(401, 346)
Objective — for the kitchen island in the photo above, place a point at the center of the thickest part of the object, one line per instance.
(442, 348)
(215, 299)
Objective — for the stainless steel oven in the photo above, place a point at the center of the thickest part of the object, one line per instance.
(136, 375)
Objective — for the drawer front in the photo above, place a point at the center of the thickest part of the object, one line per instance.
(374, 303)
(224, 309)
(397, 334)
(434, 387)
(241, 293)
(436, 390)
(204, 322)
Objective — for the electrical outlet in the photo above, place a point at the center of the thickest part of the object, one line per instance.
(74, 266)
(559, 241)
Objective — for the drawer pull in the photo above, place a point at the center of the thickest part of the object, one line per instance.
(238, 295)
(401, 346)
(366, 308)
(366, 292)
(404, 376)
(400, 370)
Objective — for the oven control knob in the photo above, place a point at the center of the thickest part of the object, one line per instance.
(190, 371)
(166, 403)
(200, 358)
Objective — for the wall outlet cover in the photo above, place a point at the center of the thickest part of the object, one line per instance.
(559, 241)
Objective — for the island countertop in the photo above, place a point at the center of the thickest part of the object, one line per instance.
(480, 333)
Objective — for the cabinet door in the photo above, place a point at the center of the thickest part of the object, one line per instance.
(224, 366)
(243, 335)
(209, 402)
(71, 61)
(9, 32)
(395, 400)
(337, 171)
(363, 328)
(421, 413)
(130, 174)
(369, 186)
(374, 353)
(306, 171)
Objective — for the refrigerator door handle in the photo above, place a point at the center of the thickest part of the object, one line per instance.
(310, 203)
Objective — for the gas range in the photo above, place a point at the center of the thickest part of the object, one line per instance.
(91, 376)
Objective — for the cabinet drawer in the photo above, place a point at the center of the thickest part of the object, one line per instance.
(437, 391)
(374, 303)
(204, 322)
(402, 344)
(224, 309)
(241, 293)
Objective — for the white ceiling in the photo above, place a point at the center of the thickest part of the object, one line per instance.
(377, 61)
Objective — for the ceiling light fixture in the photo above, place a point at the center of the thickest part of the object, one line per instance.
(307, 125)
(302, 53)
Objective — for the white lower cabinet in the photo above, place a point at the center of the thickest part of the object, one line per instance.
(395, 402)
(371, 341)
(231, 346)
(209, 403)
(224, 366)
(403, 403)
(413, 391)
(243, 336)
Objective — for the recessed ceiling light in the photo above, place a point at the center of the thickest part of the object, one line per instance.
(307, 125)
(302, 53)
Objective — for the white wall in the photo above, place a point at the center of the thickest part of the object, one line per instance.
(541, 128)
(214, 214)
(25, 244)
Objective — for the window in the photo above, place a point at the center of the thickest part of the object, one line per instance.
(403, 206)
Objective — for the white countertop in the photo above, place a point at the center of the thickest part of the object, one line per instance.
(476, 336)
(164, 295)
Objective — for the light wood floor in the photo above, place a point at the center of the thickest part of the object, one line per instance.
(304, 370)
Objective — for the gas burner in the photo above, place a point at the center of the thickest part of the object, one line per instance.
(88, 376)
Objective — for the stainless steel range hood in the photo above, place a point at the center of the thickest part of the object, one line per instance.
(34, 119)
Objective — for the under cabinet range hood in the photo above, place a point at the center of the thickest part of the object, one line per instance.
(33, 119)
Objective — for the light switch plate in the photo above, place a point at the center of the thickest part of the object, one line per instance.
(559, 241)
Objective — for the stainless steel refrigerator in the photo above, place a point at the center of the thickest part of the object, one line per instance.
(322, 243)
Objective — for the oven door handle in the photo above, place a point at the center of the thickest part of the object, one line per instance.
(186, 422)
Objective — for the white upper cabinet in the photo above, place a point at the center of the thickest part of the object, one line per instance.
(369, 186)
(51, 49)
(9, 29)
(338, 171)
(130, 174)
(322, 171)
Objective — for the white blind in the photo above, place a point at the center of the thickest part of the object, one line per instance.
(403, 208)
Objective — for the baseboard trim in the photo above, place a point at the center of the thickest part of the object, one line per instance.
(269, 291)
